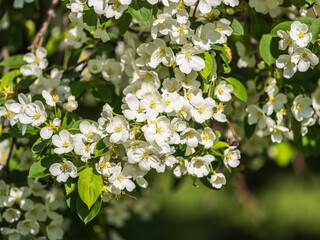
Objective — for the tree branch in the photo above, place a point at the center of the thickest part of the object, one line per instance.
(38, 40)
(125, 194)
(314, 10)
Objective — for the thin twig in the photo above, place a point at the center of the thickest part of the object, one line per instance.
(38, 40)
(125, 194)
(195, 10)
(233, 131)
(314, 10)
(6, 167)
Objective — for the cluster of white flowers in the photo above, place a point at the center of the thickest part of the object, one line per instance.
(299, 58)
(23, 209)
(53, 83)
(267, 6)
(303, 109)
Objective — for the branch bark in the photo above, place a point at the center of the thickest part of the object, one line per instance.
(38, 40)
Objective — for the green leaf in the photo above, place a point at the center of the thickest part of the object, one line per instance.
(90, 18)
(141, 10)
(236, 26)
(74, 57)
(40, 144)
(77, 87)
(285, 26)
(124, 22)
(315, 30)
(208, 59)
(265, 49)
(26, 81)
(13, 61)
(238, 89)
(103, 92)
(70, 185)
(312, 1)
(86, 214)
(89, 186)
(40, 168)
(306, 20)
(100, 148)
(219, 144)
(258, 25)
(8, 78)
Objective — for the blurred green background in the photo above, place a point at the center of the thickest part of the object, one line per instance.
(270, 203)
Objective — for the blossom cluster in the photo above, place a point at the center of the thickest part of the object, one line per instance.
(299, 57)
(24, 209)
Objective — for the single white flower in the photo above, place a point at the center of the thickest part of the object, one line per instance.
(46, 132)
(207, 137)
(277, 133)
(217, 180)
(190, 137)
(231, 157)
(38, 58)
(11, 215)
(202, 110)
(71, 105)
(76, 37)
(28, 226)
(119, 129)
(38, 213)
(223, 91)
(286, 41)
(301, 108)
(187, 59)
(275, 103)
(289, 67)
(256, 116)
(303, 57)
(199, 166)
(63, 141)
(120, 179)
(63, 170)
(51, 100)
(299, 34)
(181, 168)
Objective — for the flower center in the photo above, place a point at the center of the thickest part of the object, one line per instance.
(188, 55)
(88, 148)
(220, 90)
(272, 100)
(299, 106)
(301, 34)
(120, 177)
(36, 116)
(118, 128)
(55, 98)
(64, 167)
(205, 137)
(66, 144)
(201, 110)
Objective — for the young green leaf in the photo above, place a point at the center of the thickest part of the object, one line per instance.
(208, 59)
(13, 61)
(238, 89)
(90, 18)
(86, 214)
(89, 186)
(40, 144)
(265, 49)
(40, 168)
(315, 30)
(141, 10)
(285, 26)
